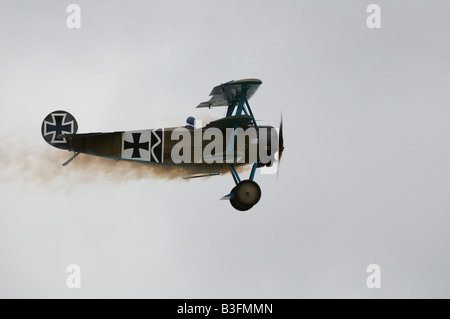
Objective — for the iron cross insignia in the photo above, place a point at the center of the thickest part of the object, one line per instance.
(56, 125)
(136, 145)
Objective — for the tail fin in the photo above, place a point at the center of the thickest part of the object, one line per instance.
(56, 124)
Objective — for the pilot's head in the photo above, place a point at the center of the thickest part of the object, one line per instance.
(190, 121)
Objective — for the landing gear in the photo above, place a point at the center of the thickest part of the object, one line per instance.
(245, 195)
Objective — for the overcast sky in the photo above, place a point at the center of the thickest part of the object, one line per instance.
(364, 178)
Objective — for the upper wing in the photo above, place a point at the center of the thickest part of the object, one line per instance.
(226, 94)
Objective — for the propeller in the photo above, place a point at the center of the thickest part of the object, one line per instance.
(280, 143)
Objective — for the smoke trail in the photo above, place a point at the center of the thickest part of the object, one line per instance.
(40, 165)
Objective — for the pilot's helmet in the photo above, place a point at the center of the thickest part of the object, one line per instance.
(190, 120)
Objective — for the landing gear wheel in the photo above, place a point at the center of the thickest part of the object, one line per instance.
(236, 204)
(246, 194)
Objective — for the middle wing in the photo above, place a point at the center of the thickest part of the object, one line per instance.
(231, 122)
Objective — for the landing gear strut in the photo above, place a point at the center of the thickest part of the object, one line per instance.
(246, 193)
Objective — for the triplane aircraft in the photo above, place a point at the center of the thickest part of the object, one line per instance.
(226, 143)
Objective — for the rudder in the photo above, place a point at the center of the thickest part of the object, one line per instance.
(56, 124)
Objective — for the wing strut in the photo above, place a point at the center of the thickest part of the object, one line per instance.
(241, 105)
(251, 113)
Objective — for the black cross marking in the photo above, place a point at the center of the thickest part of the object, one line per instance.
(58, 127)
(136, 146)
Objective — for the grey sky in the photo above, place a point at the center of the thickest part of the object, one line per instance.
(364, 179)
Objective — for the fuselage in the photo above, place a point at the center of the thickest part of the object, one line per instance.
(203, 146)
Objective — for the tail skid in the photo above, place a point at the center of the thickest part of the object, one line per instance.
(71, 159)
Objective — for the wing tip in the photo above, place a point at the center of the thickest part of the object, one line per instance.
(204, 104)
